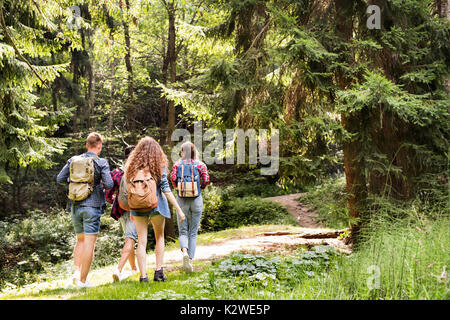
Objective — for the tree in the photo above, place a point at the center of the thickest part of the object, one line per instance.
(27, 34)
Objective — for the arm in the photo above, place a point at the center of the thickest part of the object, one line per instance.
(204, 175)
(173, 201)
(164, 185)
(63, 175)
(173, 175)
(108, 183)
(109, 194)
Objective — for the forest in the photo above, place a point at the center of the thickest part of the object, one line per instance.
(357, 92)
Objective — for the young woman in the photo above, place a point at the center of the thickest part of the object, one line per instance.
(190, 204)
(149, 156)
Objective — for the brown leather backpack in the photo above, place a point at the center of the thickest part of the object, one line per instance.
(142, 195)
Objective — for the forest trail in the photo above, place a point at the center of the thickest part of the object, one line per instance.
(257, 240)
(301, 213)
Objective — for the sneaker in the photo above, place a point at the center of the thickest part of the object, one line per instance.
(159, 275)
(76, 277)
(81, 285)
(187, 266)
(133, 272)
(143, 279)
(117, 276)
(127, 273)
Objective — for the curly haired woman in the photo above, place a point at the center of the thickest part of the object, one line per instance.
(149, 156)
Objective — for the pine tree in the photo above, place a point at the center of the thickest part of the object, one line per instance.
(27, 37)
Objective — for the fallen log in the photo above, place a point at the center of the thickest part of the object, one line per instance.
(322, 234)
(310, 234)
(277, 233)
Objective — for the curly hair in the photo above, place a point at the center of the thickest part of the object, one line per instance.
(147, 155)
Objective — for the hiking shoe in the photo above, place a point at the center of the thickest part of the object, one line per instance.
(133, 272)
(81, 285)
(159, 275)
(76, 277)
(127, 273)
(117, 276)
(143, 279)
(187, 266)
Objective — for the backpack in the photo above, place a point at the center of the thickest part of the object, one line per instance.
(141, 190)
(122, 198)
(188, 178)
(81, 176)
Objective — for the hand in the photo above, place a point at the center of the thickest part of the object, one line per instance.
(181, 215)
(131, 218)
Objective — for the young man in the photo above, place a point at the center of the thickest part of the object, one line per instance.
(128, 226)
(86, 213)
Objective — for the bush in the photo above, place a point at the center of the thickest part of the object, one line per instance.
(222, 211)
(37, 246)
(329, 200)
(32, 243)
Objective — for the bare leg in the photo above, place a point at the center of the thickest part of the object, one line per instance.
(141, 251)
(127, 254)
(87, 255)
(77, 251)
(158, 226)
(132, 258)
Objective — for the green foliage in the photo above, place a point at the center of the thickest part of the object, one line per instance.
(329, 200)
(235, 206)
(25, 124)
(32, 244)
(39, 247)
(257, 275)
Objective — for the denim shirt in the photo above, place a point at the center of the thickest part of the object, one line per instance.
(101, 174)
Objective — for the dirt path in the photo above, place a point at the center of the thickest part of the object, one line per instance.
(270, 238)
(301, 213)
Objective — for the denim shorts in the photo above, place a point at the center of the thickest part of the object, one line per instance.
(128, 226)
(86, 219)
(149, 214)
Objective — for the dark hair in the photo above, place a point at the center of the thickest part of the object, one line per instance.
(128, 150)
(189, 150)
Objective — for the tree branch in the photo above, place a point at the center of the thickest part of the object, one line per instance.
(5, 29)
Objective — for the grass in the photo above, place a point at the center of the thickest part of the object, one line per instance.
(399, 258)
(330, 202)
(402, 261)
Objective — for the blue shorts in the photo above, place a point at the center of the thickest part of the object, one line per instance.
(86, 219)
(149, 214)
(128, 226)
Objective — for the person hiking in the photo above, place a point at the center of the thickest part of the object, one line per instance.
(189, 176)
(148, 191)
(85, 174)
(128, 226)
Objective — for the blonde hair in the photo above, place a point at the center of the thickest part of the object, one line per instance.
(148, 156)
(94, 139)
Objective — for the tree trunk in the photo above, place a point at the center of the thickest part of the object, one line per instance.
(113, 102)
(443, 7)
(354, 166)
(169, 73)
(163, 114)
(172, 60)
(91, 94)
(113, 91)
(130, 103)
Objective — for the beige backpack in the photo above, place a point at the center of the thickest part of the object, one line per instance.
(81, 178)
(142, 192)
